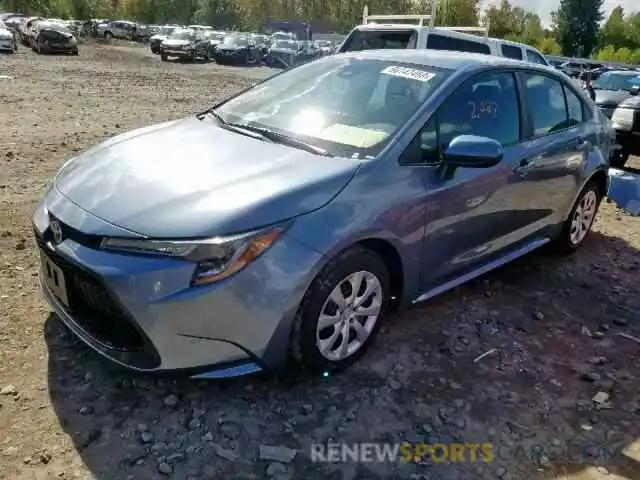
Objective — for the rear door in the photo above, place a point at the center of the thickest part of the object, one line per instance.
(559, 138)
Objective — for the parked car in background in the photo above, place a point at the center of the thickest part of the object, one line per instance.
(54, 37)
(307, 207)
(185, 44)
(238, 49)
(160, 36)
(626, 122)
(121, 29)
(8, 42)
(325, 47)
(284, 54)
(262, 43)
(214, 38)
(613, 87)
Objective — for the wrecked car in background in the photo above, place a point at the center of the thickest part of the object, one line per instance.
(284, 54)
(185, 44)
(54, 37)
(160, 36)
(237, 49)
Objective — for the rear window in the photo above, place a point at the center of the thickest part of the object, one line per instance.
(441, 42)
(511, 51)
(380, 39)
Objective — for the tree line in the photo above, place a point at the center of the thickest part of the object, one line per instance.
(577, 28)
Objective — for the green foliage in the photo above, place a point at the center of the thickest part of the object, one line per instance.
(577, 26)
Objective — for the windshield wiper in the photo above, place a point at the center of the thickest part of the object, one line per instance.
(286, 140)
(234, 127)
(264, 134)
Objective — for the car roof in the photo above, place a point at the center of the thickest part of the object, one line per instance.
(443, 59)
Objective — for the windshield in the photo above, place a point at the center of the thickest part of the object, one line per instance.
(166, 30)
(346, 106)
(182, 35)
(214, 35)
(285, 44)
(616, 81)
(236, 41)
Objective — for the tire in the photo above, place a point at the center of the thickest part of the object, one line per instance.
(305, 335)
(163, 57)
(108, 36)
(619, 158)
(568, 241)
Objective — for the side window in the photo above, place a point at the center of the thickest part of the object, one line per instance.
(511, 51)
(535, 57)
(442, 42)
(486, 105)
(546, 100)
(575, 108)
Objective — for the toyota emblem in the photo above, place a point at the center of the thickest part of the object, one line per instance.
(56, 230)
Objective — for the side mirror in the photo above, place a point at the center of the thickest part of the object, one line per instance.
(471, 151)
(635, 90)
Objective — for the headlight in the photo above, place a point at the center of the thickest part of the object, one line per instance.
(215, 258)
(623, 118)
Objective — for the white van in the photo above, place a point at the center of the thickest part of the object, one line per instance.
(373, 35)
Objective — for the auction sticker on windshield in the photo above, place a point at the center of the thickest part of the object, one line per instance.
(410, 73)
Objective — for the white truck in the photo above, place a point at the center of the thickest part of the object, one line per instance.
(386, 31)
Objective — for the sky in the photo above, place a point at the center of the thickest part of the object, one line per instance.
(544, 7)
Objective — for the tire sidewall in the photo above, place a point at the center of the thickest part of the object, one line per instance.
(350, 261)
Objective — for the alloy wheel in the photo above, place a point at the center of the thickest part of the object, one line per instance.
(583, 217)
(349, 315)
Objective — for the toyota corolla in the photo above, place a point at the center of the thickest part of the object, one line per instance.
(286, 221)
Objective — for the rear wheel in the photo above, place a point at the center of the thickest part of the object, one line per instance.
(580, 221)
(340, 315)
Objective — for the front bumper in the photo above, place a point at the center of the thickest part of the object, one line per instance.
(59, 48)
(230, 58)
(140, 311)
(172, 52)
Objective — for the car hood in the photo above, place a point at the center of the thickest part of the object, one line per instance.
(610, 97)
(176, 43)
(631, 102)
(191, 178)
(4, 33)
(158, 37)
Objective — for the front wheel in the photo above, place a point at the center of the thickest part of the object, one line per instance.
(580, 221)
(340, 315)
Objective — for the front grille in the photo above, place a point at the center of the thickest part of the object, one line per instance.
(94, 308)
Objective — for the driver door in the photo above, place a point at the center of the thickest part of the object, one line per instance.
(473, 216)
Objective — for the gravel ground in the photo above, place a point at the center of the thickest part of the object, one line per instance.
(555, 325)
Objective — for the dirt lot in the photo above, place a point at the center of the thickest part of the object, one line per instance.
(66, 413)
